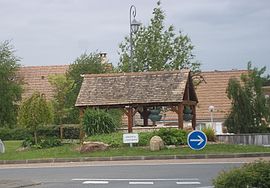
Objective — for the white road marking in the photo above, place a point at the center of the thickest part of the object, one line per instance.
(141, 183)
(95, 182)
(188, 183)
(161, 179)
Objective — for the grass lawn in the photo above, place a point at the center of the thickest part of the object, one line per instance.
(68, 151)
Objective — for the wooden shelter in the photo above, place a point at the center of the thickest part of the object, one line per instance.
(139, 91)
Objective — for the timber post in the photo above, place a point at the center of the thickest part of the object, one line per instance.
(180, 116)
(130, 119)
(194, 117)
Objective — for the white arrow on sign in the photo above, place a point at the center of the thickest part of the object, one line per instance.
(200, 140)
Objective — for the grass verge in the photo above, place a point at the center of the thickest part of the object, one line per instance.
(68, 151)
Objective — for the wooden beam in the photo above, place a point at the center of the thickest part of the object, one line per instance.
(189, 103)
(194, 117)
(125, 111)
(180, 116)
(130, 119)
(174, 109)
(81, 112)
(136, 110)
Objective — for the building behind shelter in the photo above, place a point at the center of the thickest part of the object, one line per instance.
(212, 92)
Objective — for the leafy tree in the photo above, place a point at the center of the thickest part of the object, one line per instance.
(35, 112)
(85, 64)
(249, 111)
(10, 88)
(62, 85)
(158, 48)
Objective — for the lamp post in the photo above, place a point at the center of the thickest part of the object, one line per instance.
(211, 110)
(134, 27)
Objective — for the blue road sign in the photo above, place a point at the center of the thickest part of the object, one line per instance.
(196, 140)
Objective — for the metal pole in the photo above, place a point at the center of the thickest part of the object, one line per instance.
(132, 13)
(212, 123)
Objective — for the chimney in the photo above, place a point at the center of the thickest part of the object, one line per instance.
(103, 57)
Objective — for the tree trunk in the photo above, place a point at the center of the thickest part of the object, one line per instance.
(35, 135)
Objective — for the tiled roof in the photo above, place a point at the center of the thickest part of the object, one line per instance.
(213, 92)
(35, 78)
(133, 88)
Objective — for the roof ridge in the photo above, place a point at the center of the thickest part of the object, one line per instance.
(217, 71)
(136, 73)
(36, 66)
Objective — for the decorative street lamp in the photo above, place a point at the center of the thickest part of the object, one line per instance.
(211, 110)
(134, 27)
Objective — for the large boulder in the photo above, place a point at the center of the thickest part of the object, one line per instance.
(93, 146)
(156, 143)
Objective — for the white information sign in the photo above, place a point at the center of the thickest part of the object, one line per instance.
(130, 138)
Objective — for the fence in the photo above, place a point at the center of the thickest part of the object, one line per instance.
(246, 139)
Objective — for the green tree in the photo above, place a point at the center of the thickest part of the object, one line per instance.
(85, 64)
(62, 86)
(10, 85)
(249, 111)
(35, 112)
(158, 48)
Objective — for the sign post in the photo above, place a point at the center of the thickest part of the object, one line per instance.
(130, 138)
(196, 140)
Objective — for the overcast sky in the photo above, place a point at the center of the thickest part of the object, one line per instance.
(226, 33)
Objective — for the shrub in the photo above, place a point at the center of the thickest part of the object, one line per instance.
(115, 140)
(210, 134)
(98, 122)
(144, 138)
(254, 174)
(48, 131)
(71, 132)
(14, 134)
(29, 142)
(116, 115)
(173, 136)
(50, 142)
(44, 143)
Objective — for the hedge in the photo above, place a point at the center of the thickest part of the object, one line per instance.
(69, 132)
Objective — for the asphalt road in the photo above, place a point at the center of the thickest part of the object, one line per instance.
(118, 174)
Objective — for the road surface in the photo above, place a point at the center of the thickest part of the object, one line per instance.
(122, 174)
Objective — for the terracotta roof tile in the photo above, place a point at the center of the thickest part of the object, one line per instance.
(36, 79)
(213, 92)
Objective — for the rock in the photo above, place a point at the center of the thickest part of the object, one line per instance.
(171, 147)
(2, 147)
(156, 143)
(93, 146)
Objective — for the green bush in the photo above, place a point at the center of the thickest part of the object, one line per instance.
(173, 136)
(256, 174)
(115, 140)
(29, 142)
(42, 143)
(71, 132)
(117, 116)
(144, 138)
(48, 131)
(50, 142)
(98, 122)
(210, 134)
(14, 134)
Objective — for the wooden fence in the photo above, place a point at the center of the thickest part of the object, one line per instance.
(246, 139)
